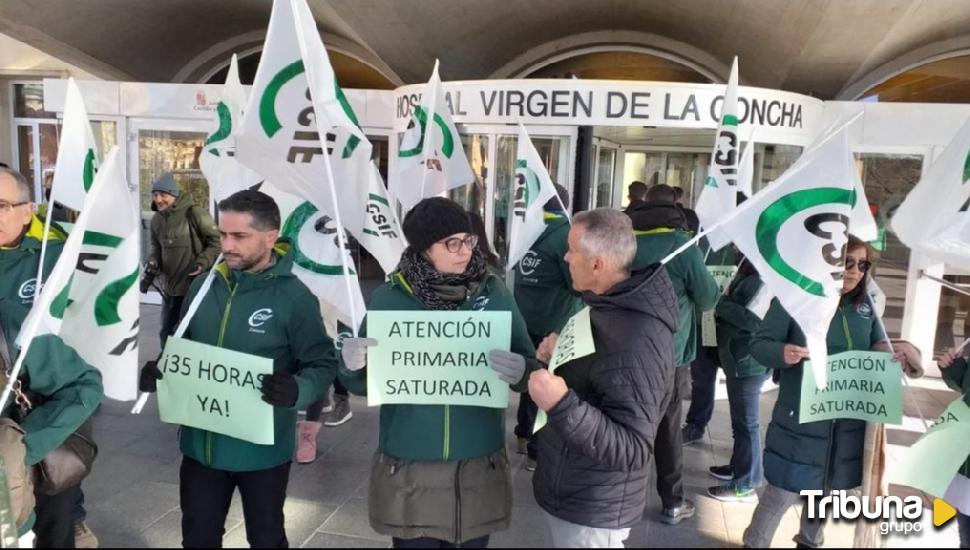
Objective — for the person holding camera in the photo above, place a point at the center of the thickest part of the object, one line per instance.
(184, 243)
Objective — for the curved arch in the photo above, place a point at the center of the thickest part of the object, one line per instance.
(938, 51)
(601, 41)
(216, 58)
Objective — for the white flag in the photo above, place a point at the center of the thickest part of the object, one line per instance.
(77, 153)
(929, 219)
(719, 196)
(794, 232)
(382, 234)
(533, 188)
(297, 112)
(431, 159)
(91, 297)
(217, 160)
(101, 322)
(315, 249)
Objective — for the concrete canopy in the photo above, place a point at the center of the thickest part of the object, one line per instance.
(818, 47)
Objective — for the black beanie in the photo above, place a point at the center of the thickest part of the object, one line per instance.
(434, 219)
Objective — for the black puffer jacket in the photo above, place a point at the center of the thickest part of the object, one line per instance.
(595, 450)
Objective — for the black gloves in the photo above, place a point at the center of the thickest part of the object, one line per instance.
(150, 375)
(280, 390)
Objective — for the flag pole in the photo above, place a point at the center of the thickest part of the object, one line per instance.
(428, 126)
(184, 323)
(328, 170)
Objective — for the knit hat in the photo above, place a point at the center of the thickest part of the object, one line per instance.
(166, 184)
(434, 219)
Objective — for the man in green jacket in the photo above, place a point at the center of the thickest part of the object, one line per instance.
(256, 306)
(545, 296)
(184, 243)
(70, 388)
(661, 228)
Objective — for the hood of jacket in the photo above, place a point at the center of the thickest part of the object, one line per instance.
(648, 292)
(182, 203)
(658, 214)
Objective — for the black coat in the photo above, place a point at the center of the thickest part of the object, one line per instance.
(593, 455)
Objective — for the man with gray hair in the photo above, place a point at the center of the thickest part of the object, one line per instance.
(603, 409)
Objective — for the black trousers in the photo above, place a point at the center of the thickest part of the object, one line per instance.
(171, 314)
(669, 447)
(206, 494)
(526, 419)
(54, 526)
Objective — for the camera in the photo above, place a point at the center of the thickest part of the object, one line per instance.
(148, 277)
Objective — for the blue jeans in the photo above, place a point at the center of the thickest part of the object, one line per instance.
(744, 396)
(963, 523)
(703, 379)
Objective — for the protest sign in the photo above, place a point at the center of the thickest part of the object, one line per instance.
(723, 274)
(215, 389)
(436, 357)
(931, 463)
(865, 385)
(575, 341)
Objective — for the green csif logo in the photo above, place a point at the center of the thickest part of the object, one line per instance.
(775, 216)
(527, 188)
(295, 222)
(269, 119)
(421, 119)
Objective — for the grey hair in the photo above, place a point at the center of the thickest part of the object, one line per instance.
(22, 184)
(609, 234)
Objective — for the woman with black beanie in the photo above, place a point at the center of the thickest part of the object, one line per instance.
(441, 476)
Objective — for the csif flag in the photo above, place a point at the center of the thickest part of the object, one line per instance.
(431, 159)
(217, 159)
(91, 298)
(719, 196)
(532, 189)
(794, 233)
(77, 153)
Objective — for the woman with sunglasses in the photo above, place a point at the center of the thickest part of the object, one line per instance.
(441, 477)
(825, 455)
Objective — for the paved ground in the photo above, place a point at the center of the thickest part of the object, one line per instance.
(133, 493)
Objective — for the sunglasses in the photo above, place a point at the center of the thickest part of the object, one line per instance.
(454, 244)
(863, 265)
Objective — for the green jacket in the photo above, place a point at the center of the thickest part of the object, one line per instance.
(824, 455)
(293, 337)
(183, 238)
(543, 287)
(736, 325)
(695, 287)
(956, 377)
(72, 388)
(443, 432)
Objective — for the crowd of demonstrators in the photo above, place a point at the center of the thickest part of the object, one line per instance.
(547, 299)
(184, 244)
(256, 274)
(441, 475)
(661, 228)
(64, 390)
(604, 409)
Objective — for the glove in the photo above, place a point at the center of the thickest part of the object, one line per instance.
(150, 375)
(280, 390)
(354, 352)
(509, 366)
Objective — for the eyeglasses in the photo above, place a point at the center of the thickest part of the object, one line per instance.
(863, 265)
(454, 244)
(6, 207)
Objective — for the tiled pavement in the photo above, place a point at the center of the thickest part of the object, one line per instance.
(133, 500)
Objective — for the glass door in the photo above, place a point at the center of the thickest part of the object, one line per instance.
(159, 146)
(604, 172)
